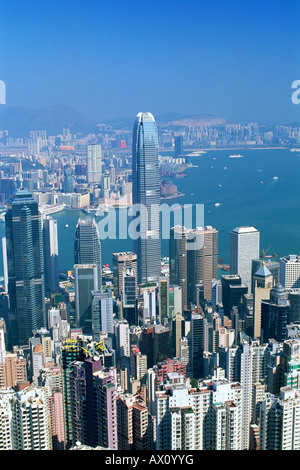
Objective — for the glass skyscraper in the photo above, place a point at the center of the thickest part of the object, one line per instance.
(87, 246)
(146, 193)
(25, 265)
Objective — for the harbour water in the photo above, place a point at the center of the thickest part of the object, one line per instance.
(261, 189)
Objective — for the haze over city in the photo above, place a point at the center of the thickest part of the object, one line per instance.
(111, 59)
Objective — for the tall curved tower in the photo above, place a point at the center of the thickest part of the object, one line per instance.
(146, 193)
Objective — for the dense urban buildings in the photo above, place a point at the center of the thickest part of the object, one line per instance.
(147, 352)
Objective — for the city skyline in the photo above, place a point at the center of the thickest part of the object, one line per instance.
(150, 297)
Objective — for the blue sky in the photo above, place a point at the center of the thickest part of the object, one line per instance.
(114, 58)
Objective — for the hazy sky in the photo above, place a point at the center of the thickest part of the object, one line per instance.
(114, 58)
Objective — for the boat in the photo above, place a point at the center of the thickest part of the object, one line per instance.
(217, 204)
(220, 186)
(66, 225)
(275, 177)
(236, 156)
(225, 167)
(295, 150)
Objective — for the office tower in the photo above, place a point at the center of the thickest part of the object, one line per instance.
(150, 390)
(290, 271)
(50, 244)
(179, 262)
(207, 260)
(122, 339)
(25, 419)
(4, 263)
(85, 281)
(199, 342)
(294, 298)
(120, 261)
(163, 299)
(272, 266)
(102, 313)
(146, 194)
(262, 285)
(87, 246)
(228, 280)
(68, 181)
(279, 421)
(235, 297)
(162, 343)
(185, 356)
(177, 299)
(93, 403)
(129, 297)
(178, 332)
(275, 314)
(149, 303)
(105, 184)
(94, 163)
(193, 261)
(216, 292)
(26, 286)
(178, 150)
(244, 247)
(132, 422)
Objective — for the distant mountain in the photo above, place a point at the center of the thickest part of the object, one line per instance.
(173, 119)
(20, 120)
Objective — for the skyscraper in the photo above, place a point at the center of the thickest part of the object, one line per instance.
(87, 246)
(244, 247)
(290, 271)
(120, 261)
(86, 281)
(146, 193)
(50, 244)
(193, 260)
(25, 263)
(94, 163)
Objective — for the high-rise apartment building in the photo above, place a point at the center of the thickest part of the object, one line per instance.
(93, 404)
(280, 421)
(94, 163)
(146, 194)
(244, 247)
(87, 246)
(26, 287)
(25, 418)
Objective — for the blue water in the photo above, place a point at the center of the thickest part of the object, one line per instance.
(271, 207)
